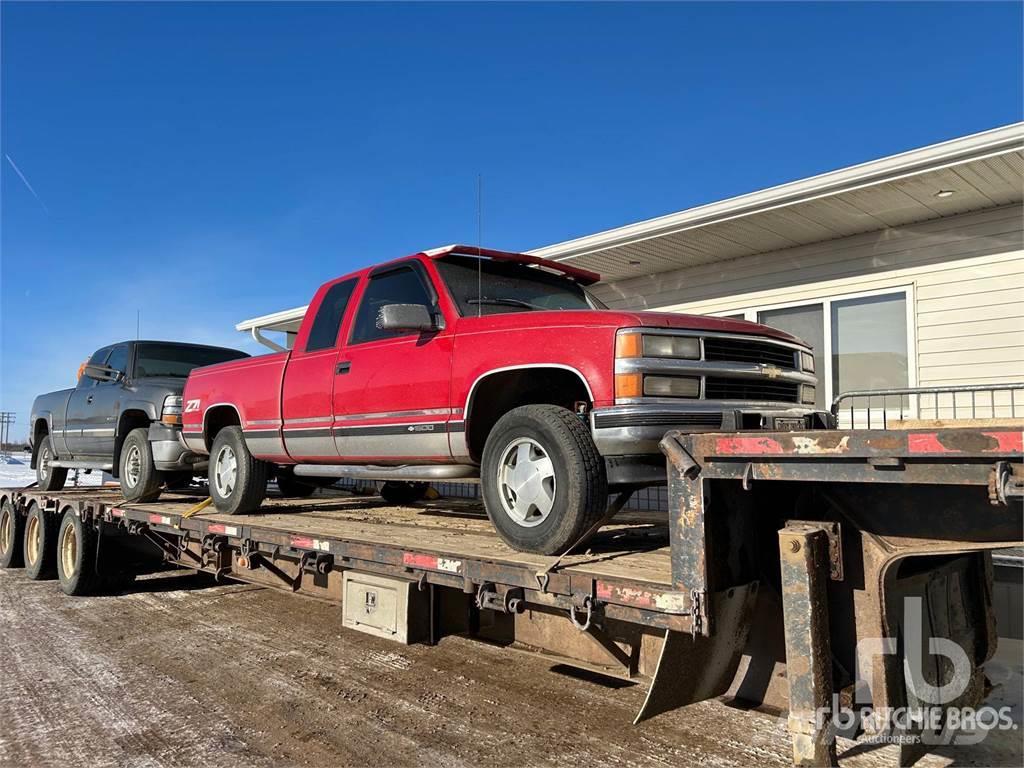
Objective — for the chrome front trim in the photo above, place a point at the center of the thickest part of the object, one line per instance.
(655, 331)
(674, 366)
(643, 439)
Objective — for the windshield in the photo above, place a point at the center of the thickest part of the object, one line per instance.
(155, 359)
(489, 287)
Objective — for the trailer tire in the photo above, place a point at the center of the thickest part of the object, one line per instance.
(140, 480)
(40, 544)
(293, 488)
(562, 490)
(396, 492)
(238, 481)
(76, 556)
(12, 532)
(49, 478)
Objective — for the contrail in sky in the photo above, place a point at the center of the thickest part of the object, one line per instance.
(24, 181)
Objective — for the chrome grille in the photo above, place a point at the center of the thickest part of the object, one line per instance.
(716, 388)
(750, 351)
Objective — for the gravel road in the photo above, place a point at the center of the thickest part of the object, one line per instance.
(182, 672)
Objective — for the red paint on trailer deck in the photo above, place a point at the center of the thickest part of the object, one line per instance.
(749, 446)
(302, 542)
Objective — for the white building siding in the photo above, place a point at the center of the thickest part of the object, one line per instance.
(964, 275)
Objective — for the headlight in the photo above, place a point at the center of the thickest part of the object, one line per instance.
(171, 413)
(807, 394)
(671, 386)
(654, 345)
(685, 347)
(807, 362)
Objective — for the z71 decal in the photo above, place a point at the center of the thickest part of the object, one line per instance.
(191, 406)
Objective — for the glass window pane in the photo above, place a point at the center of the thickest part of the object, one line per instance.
(118, 359)
(324, 333)
(807, 323)
(401, 286)
(869, 343)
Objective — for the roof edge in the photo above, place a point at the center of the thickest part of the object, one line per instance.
(996, 141)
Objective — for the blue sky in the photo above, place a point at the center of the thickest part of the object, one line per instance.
(210, 162)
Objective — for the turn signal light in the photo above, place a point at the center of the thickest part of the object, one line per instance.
(171, 418)
(628, 345)
(628, 385)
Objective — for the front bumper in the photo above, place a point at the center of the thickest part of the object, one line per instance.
(628, 435)
(170, 454)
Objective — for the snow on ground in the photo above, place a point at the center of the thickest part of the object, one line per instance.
(19, 473)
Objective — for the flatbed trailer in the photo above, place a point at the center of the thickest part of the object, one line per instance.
(781, 553)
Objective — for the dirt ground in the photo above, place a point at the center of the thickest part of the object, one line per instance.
(182, 672)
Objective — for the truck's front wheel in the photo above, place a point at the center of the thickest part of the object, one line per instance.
(542, 478)
(49, 477)
(238, 481)
(139, 478)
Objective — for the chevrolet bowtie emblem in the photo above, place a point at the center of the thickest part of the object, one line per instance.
(771, 371)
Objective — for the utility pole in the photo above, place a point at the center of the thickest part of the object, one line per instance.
(6, 420)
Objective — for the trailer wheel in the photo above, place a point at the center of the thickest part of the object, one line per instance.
(403, 493)
(76, 556)
(140, 480)
(40, 546)
(238, 481)
(543, 481)
(49, 477)
(293, 488)
(12, 531)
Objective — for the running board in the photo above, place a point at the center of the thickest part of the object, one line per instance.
(104, 466)
(463, 473)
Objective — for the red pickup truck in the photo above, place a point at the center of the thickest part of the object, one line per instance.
(474, 364)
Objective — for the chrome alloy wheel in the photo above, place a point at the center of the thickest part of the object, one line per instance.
(133, 466)
(225, 471)
(68, 550)
(526, 482)
(44, 463)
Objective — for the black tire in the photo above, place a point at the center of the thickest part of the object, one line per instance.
(12, 532)
(40, 544)
(403, 493)
(49, 478)
(291, 487)
(76, 556)
(140, 480)
(249, 487)
(576, 489)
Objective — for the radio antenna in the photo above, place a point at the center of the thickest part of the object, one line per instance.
(479, 244)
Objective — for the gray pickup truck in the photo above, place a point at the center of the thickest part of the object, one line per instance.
(124, 417)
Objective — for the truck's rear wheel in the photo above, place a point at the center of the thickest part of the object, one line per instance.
(543, 481)
(140, 480)
(238, 481)
(40, 545)
(49, 477)
(403, 493)
(12, 532)
(76, 556)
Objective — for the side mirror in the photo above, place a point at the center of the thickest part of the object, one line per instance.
(405, 317)
(102, 373)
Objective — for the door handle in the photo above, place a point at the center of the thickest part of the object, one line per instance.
(89, 399)
(342, 368)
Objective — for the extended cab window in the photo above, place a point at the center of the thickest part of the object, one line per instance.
(489, 287)
(398, 286)
(324, 332)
